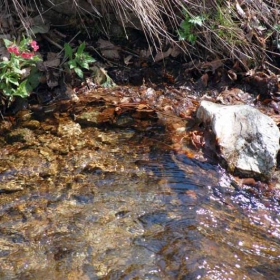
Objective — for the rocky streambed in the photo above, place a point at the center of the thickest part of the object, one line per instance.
(87, 194)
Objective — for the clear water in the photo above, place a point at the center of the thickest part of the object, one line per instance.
(129, 208)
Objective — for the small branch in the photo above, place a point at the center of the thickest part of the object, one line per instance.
(52, 42)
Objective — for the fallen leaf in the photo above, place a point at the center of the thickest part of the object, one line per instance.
(162, 55)
(108, 49)
(127, 59)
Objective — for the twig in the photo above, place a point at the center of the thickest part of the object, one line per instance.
(52, 42)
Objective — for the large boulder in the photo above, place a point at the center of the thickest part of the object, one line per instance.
(248, 140)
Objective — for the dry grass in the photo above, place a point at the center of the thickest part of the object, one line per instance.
(246, 32)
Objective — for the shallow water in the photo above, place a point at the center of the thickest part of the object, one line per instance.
(116, 204)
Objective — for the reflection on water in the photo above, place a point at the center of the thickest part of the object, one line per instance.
(133, 211)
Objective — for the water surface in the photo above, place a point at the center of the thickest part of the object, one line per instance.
(119, 204)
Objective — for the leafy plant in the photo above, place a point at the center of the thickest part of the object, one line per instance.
(78, 60)
(276, 42)
(187, 28)
(18, 72)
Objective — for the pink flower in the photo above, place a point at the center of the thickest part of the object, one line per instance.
(34, 46)
(27, 55)
(13, 49)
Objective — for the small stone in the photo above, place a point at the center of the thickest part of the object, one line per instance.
(88, 117)
(23, 135)
(32, 124)
(69, 129)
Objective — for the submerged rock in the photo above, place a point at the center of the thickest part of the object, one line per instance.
(69, 129)
(89, 117)
(23, 135)
(248, 140)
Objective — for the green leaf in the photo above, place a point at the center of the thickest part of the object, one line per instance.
(198, 20)
(192, 38)
(72, 64)
(185, 25)
(4, 64)
(7, 43)
(182, 35)
(16, 70)
(276, 27)
(79, 72)
(2, 86)
(11, 80)
(22, 90)
(81, 49)
(8, 91)
(88, 58)
(2, 75)
(23, 43)
(68, 50)
(34, 59)
(83, 64)
(33, 79)
(84, 60)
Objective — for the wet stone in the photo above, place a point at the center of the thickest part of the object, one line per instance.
(60, 148)
(124, 120)
(11, 186)
(69, 129)
(23, 135)
(32, 124)
(5, 126)
(48, 127)
(47, 153)
(88, 117)
(23, 116)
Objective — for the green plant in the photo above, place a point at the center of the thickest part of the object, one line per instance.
(18, 72)
(276, 42)
(78, 60)
(187, 28)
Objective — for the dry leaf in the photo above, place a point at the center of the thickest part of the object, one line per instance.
(52, 79)
(127, 59)
(162, 55)
(204, 79)
(146, 53)
(52, 63)
(232, 75)
(108, 49)
(212, 65)
(176, 51)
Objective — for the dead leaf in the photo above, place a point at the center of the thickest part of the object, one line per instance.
(146, 53)
(52, 78)
(176, 50)
(211, 66)
(240, 11)
(52, 63)
(162, 55)
(142, 106)
(39, 25)
(232, 75)
(204, 79)
(100, 77)
(197, 139)
(108, 49)
(127, 59)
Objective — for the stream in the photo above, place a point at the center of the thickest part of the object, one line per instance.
(81, 202)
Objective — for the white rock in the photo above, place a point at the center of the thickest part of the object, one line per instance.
(248, 139)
